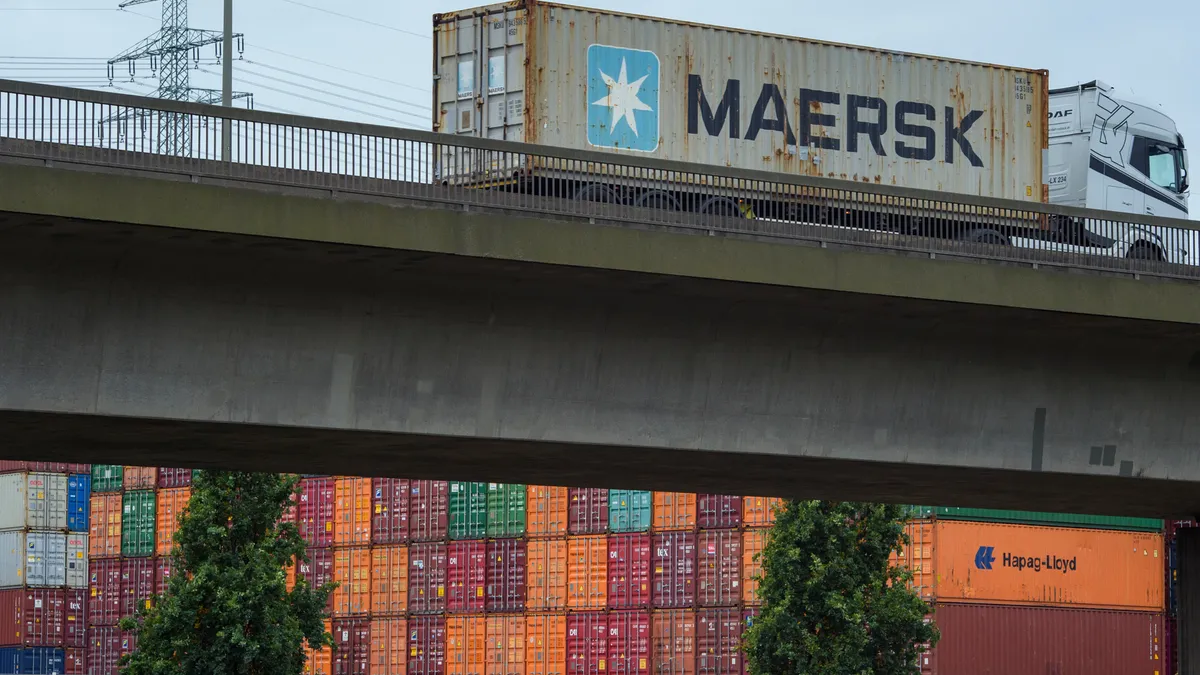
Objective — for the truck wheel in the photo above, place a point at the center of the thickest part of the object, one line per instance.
(659, 201)
(720, 206)
(595, 192)
(985, 236)
(1144, 251)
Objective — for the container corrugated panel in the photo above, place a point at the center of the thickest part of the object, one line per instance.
(719, 568)
(545, 644)
(587, 643)
(753, 542)
(587, 511)
(546, 581)
(77, 560)
(171, 504)
(389, 646)
(10, 466)
(137, 523)
(352, 637)
(759, 511)
(107, 477)
(587, 571)
(319, 661)
(75, 661)
(674, 511)
(35, 500)
(169, 477)
(546, 510)
(718, 636)
(104, 540)
(426, 579)
(466, 645)
(314, 511)
(137, 584)
(389, 510)
(629, 510)
(466, 576)
(352, 572)
(104, 592)
(352, 512)
(140, 477)
(1038, 518)
(79, 501)
(468, 510)
(850, 112)
(32, 661)
(45, 559)
(318, 569)
(673, 641)
(389, 580)
(10, 659)
(163, 569)
(505, 644)
(427, 645)
(1062, 641)
(629, 642)
(429, 510)
(629, 576)
(718, 511)
(106, 646)
(674, 569)
(49, 618)
(506, 510)
(12, 619)
(506, 574)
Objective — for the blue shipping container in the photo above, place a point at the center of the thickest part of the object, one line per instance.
(34, 661)
(10, 659)
(79, 501)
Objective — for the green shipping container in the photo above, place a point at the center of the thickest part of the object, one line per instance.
(1038, 518)
(468, 510)
(505, 510)
(137, 524)
(107, 477)
(629, 510)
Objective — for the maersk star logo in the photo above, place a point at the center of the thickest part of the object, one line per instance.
(622, 98)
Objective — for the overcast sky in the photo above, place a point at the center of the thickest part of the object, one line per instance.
(382, 47)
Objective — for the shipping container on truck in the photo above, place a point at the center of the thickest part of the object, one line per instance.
(580, 78)
(33, 500)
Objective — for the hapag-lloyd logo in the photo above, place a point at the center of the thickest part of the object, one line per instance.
(985, 557)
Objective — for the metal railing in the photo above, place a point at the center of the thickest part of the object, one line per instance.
(115, 130)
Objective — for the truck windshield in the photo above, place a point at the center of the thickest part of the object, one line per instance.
(1164, 167)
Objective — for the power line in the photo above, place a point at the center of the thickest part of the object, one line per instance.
(322, 102)
(330, 93)
(355, 18)
(332, 67)
(418, 106)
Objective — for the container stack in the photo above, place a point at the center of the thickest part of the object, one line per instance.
(1040, 592)
(1170, 631)
(43, 566)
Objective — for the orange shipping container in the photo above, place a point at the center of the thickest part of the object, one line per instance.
(352, 512)
(140, 478)
(466, 645)
(674, 510)
(759, 511)
(505, 645)
(104, 525)
(319, 662)
(546, 509)
(587, 571)
(673, 642)
(545, 644)
(389, 640)
(389, 580)
(352, 572)
(546, 578)
(752, 545)
(999, 563)
(170, 504)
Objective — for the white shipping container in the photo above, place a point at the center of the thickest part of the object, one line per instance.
(34, 500)
(579, 78)
(77, 560)
(33, 558)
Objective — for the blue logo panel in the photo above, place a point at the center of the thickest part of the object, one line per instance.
(622, 98)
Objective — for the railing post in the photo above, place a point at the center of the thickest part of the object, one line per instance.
(227, 83)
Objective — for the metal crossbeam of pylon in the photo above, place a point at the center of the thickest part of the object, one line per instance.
(168, 51)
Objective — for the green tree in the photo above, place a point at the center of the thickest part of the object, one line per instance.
(227, 608)
(832, 602)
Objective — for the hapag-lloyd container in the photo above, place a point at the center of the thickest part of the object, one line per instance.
(429, 510)
(352, 637)
(587, 571)
(546, 580)
(427, 578)
(753, 542)
(546, 510)
(537, 72)
(674, 511)
(629, 575)
(314, 511)
(995, 563)
(389, 510)
(759, 511)
(718, 633)
(674, 569)
(389, 644)
(466, 645)
(505, 644)
(673, 641)
(389, 580)
(140, 478)
(506, 573)
(104, 526)
(352, 572)
(33, 500)
(427, 645)
(352, 512)
(319, 661)
(170, 505)
(466, 576)
(587, 511)
(545, 644)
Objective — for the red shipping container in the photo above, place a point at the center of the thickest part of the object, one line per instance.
(587, 643)
(629, 643)
(137, 584)
(389, 510)
(718, 635)
(12, 618)
(506, 568)
(587, 511)
(8, 466)
(718, 511)
(174, 478)
(1030, 639)
(162, 574)
(427, 580)
(352, 638)
(75, 661)
(104, 591)
(674, 570)
(389, 646)
(314, 511)
(428, 510)
(43, 617)
(466, 576)
(628, 571)
(719, 568)
(427, 645)
(673, 642)
(106, 646)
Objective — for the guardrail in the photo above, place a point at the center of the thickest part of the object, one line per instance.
(133, 132)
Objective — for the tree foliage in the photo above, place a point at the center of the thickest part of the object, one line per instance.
(832, 603)
(227, 608)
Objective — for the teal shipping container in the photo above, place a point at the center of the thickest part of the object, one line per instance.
(107, 477)
(629, 510)
(137, 524)
(505, 510)
(1037, 518)
(468, 510)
